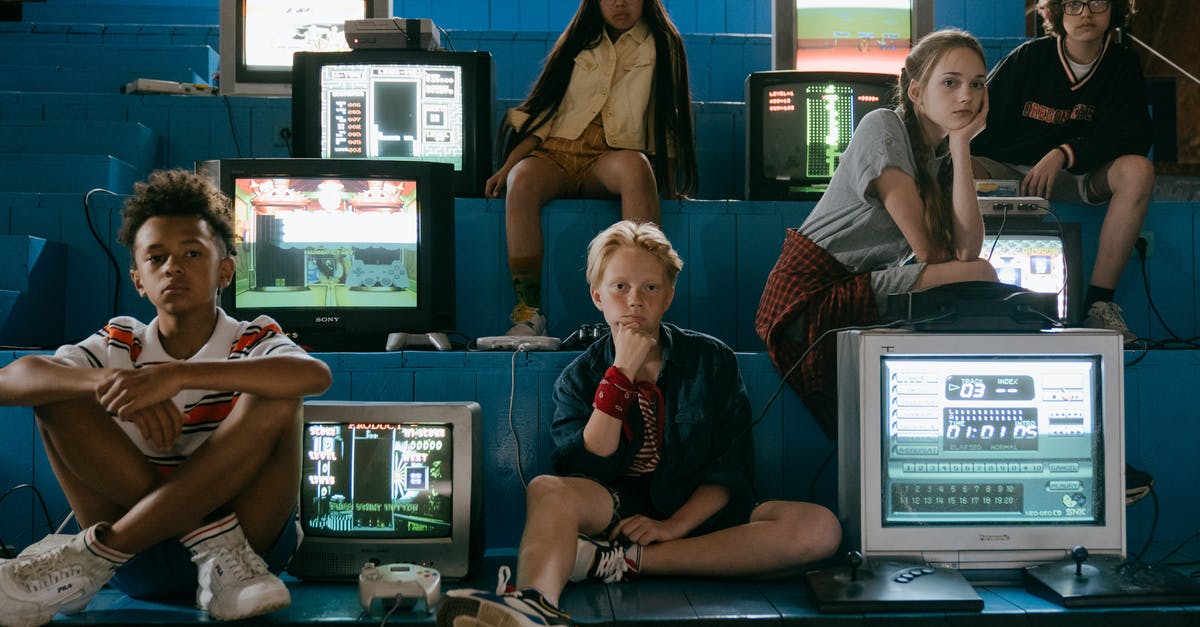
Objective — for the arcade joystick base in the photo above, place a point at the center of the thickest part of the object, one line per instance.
(1108, 580)
(892, 587)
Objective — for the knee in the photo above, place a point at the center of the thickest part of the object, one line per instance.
(811, 531)
(527, 191)
(981, 270)
(273, 414)
(1132, 174)
(634, 171)
(546, 489)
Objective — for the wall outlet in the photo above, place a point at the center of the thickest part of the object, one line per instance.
(1149, 237)
(282, 136)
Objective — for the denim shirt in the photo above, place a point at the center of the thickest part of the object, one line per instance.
(706, 438)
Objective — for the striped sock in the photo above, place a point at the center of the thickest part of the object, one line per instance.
(211, 530)
(91, 540)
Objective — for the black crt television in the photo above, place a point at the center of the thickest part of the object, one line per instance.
(1040, 256)
(389, 482)
(259, 37)
(397, 105)
(341, 252)
(798, 124)
(871, 36)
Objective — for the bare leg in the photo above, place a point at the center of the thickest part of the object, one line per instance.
(781, 537)
(627, 174)
(251, 463)
(558, 509)
(1130, 181)
(99, 469)
(532, 183)
(936, 274)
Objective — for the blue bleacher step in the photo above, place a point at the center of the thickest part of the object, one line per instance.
(118, 12)
(32, 298)
(118, 34)
(131, 142)
(56, 172)
(88, 80)
(199, 59)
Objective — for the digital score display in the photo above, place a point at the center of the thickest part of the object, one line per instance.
(990, 440)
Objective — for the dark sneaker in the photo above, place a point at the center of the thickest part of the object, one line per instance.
(1105, 315)
(527, 321)
(506, 608)
(57, 577)
(604, 561)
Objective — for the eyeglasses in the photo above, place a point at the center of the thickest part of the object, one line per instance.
(1075, 7)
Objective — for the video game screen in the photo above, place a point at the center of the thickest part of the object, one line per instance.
(872, 36)
(992, 441)
(823, 114)
(1034, 262)
(393, 111)
(276, 29)
(371, 480)
(322, 243)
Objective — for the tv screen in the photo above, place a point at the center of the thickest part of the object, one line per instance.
(397, 104)
(799, 124)
(388, 482)
(869, 36)
(1041, 257)
(342, 252)
(259, 37)
(983, 452)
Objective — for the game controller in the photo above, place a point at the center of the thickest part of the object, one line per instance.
(399, 584)
(890, 586)
(420, 341)
(1100, 580)
(517, 342)
(583, 337)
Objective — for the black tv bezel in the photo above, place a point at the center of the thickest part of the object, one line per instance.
(1071, 234)
(759, 187)
(478, 88)
(783, 29)
(366, 329)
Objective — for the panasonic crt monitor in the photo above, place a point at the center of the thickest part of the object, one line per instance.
(986, 452)
(389, 482)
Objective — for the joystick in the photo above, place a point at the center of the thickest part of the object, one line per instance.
(1099, 580)
(888, 586)
(399, 584)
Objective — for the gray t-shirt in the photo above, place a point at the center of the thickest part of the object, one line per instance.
(850, 221)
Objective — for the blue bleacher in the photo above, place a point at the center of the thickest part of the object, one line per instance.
(68, 129)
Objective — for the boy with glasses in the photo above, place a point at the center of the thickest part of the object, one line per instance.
(1068, 118)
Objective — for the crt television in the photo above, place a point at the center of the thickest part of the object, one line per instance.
(871, 36)
(397, 104)
(341, 252)
(1039, 256)
(259, 37)
(389, 482)
(986, 452)
(798, 124)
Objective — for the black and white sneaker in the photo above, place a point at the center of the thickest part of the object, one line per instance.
(1137, 484)
(506, 608)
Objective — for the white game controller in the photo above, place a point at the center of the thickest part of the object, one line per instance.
(400, 584)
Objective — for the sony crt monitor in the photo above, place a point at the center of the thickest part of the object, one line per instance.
(406, 104)
(871, 36)
(341, 252)
(389, 483)
(986, 452)
(798, 124)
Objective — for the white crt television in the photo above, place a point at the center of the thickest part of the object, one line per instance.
(986, 452)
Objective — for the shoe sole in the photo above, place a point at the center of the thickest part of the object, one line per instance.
(276, 604)
(466, 612)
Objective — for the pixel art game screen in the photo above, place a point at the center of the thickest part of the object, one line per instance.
(871, 36)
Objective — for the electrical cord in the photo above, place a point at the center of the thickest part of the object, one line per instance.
(512, 392)
(237, 145)
(41, 501)
(446, 36)
(1140, 247)
(1153, 525)
(87, 214)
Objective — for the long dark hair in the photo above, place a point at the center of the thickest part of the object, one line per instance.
(672, 114)
(933, 186)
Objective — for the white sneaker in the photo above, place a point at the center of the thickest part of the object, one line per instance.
(1106, 315)
(61, 577)
(234, 582)
(527, 321)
